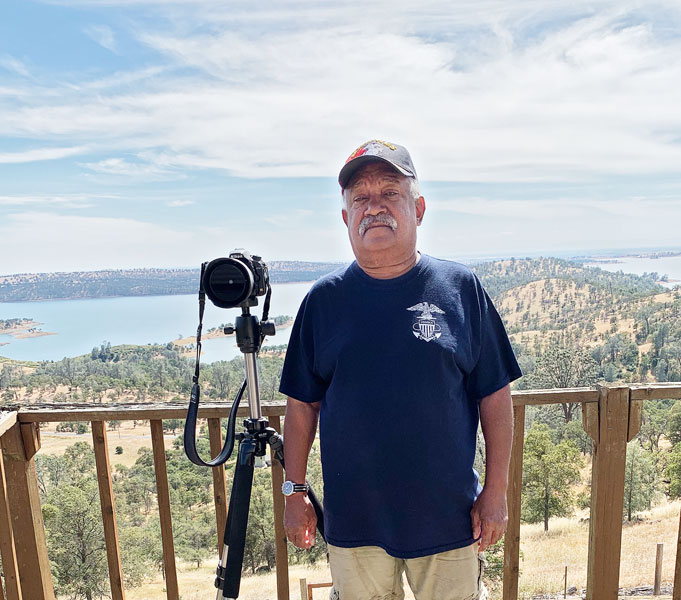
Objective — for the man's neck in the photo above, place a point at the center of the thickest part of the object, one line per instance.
(381, 270)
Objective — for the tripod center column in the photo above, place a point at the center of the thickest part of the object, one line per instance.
(252, 384)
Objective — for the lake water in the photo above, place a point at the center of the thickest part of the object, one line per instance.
(665, 265)
(81, 325)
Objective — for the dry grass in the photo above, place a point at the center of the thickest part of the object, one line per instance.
(544, 556)
(130, 438)
(197, 584)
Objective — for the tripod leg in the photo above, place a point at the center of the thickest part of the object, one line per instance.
(237, 520)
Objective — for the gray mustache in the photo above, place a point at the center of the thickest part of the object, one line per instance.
(381, 218)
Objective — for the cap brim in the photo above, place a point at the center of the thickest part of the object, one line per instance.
(351, 168)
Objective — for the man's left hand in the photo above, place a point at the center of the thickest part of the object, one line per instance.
(489, 516)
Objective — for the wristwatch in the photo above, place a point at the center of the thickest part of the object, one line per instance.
(289, 488)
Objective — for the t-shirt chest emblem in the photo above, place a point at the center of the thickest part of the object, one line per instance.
(425, 327)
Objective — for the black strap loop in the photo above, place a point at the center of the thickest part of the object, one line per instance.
(193, 410)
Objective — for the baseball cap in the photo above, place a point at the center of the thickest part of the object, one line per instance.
(377, 150)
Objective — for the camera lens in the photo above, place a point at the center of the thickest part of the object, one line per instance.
(228, 282)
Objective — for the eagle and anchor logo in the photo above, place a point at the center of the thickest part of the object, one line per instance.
(426, 328)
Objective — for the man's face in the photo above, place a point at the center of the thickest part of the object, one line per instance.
(381, 215)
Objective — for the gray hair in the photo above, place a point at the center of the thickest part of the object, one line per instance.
(414, 190)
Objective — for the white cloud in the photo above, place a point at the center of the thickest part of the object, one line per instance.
(469, 91)
(14, 65)
(179, 203)
(38, 154)
(103, 35)
(133, 170)
(86, 243)
(72, 201)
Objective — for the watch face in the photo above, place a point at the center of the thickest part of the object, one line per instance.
(287, 488)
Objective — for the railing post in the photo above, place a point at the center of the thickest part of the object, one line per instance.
(280, 549)
(677, 565)
(7, 544)
(513, 498)
(219, 481)
(24, 504)
(607, 492)
(163, 496)
(106, 498)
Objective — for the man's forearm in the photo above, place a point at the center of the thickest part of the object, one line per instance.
(496, 419)
(300, 427)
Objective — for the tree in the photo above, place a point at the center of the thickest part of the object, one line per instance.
(639, 480)
(564, 366)
(75, 541)
(549, 471)
(674, 424)
(654, 419)
(673, 471)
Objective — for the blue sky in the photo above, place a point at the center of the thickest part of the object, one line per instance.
(165, 133)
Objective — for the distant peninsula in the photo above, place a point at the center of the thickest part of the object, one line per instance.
(26, 287)
(21, 328)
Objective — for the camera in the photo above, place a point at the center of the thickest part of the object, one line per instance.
(235, 281)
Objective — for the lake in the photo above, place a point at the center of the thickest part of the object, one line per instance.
(81, 325)
(665, 265)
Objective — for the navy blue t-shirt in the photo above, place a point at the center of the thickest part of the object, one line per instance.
(399, 366)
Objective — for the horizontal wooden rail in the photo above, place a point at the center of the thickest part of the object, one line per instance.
(55, 413)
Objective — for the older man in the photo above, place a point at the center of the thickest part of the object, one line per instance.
(398, 355)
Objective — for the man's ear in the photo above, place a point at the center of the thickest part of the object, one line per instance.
(345, 216)
(420, 209)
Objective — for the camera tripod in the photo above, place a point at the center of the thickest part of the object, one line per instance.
(253, 443)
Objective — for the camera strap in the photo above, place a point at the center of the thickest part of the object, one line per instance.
(193, 410)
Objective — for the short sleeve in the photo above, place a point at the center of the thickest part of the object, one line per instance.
(299, 378)
(496, 364)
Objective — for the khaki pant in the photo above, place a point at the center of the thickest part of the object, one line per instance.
(370, 573)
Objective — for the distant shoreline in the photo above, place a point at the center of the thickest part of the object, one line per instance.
(23, 331)
(218, 333)
(70, 298)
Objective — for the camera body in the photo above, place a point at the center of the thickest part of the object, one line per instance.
(235, 281)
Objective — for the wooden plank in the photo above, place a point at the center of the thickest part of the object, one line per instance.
(554, 396)
(656, 391)
(7, 421)
(106, 498)
(607, 495)
(280, 547)
(30, 434)
(303, 589)
(590, 420)
(658, 570)
(513, 498)
(33, 564)
(51, 413)
(163, 495)
(677, 565)
(313, 586)
(635, 417)
(219, 481)
(9, 556)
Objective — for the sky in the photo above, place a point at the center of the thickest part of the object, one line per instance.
(163, 133)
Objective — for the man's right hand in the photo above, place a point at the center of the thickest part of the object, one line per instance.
(300, 521)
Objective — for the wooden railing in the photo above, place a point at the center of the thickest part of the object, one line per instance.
(611, 416)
